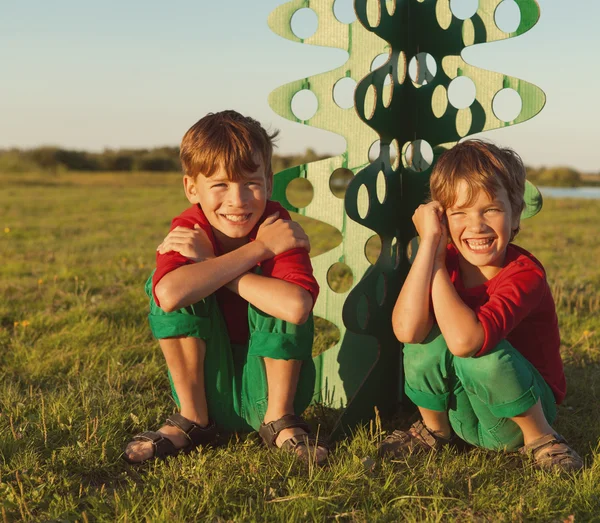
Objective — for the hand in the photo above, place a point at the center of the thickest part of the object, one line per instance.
(429, 222)
(279, 235)
(440, 252)
(191, 243)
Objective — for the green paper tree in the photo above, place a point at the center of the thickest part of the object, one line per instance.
(405, 61)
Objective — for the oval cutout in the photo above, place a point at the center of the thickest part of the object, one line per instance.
(373, 249)
(339, 181)
(343, 92)
(304, 23)
(507, 105)
(304, 104)
(343, 10)
(374, 150)
(370, 102)
(327, 335)
(417, 156)
(323, 237)
(507, 16)
(381, 187)
(340, 278)
(299, 192)
(362, 203)
(422, 69)
(461, 92)
(463, 9)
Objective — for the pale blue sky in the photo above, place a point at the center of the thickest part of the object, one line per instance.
(138, 73)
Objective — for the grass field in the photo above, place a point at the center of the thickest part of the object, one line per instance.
(80, 374)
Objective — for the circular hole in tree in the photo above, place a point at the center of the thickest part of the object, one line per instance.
(373, 13)
(374, 150)
(507, 104)
(373, 249)
(507, 16)
(381, 186)
(395, 252)
(379, 61)
(402, 66)
(344, 11)
(461, 92)
(411, 249)
(304, 104)
(394, 157)
(362, 202)
(339, 181)
(370, 102)
(417, 156)
(464, 9)
(340, 278)
(362, 312)
(388, 90)
(327, 335)
(422, 69)
(380, 289)
(304, 23)
(439, 101)
(299, 192)
(343, 92)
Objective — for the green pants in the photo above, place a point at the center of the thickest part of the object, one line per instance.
(234, 375)
(480, 394)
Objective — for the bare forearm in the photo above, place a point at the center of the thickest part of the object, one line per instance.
(191, 283)
(278, 298)
(458, 323)
(412, 318)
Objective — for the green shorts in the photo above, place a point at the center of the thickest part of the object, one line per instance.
(480, 394)
(234, 375)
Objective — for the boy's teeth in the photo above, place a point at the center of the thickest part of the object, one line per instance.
(479, 244)
(236, 217)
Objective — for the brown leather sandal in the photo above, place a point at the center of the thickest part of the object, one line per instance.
(163, 447)
(270, 431)
(418, 438)
(552, 452)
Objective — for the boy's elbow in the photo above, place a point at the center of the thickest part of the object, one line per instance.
(408, 335)
(301, 310)
(463, 348)
(166, 297)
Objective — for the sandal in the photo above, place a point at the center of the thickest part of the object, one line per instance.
(417, 438)
(270, 431)
(164, 447)
(552, 452)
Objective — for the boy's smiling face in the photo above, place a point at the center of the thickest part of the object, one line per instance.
(231, 207)
(481, 230)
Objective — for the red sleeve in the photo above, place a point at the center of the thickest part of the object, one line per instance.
(293, 266)
(165, 263)
(510, 302)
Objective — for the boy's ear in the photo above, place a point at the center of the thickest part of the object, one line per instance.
(191, 191)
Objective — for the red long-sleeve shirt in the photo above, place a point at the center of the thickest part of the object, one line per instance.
(517, 305)
(293, 266)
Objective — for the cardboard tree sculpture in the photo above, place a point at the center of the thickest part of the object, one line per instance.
(410, 104)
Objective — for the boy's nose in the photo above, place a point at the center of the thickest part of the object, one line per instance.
(237, 195)
(476, 224)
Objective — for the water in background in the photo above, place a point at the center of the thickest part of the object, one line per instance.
(587, 193)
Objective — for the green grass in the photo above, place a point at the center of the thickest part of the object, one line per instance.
(80, 373)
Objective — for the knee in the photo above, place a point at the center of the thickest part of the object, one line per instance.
(492, 367)
(421, 364)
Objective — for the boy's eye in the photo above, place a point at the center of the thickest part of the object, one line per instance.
(493, 209)
(219, 185)
(457, 213)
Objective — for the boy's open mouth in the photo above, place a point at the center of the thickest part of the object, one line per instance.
(479, 245)
(237, 218)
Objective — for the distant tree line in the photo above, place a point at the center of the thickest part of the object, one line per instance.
(161, 159)
(166, 159)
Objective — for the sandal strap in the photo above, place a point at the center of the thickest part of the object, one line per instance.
(269, 431)
(304, 439)
(163, 447)
(426, 436)
(196, 434)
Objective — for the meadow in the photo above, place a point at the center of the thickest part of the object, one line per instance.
(80, 374)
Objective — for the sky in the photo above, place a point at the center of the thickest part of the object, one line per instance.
(90, 75)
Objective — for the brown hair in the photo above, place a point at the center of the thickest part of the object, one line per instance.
(483, 166)
(226, 139)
